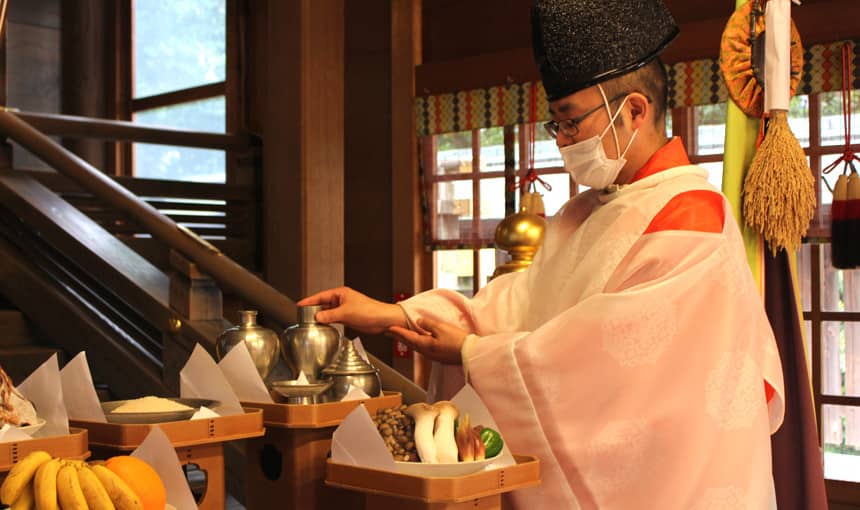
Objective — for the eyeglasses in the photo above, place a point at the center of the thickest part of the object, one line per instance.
(570, 127)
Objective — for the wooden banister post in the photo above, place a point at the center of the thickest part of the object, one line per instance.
(193, 295)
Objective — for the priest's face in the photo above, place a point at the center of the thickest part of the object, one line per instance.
(583, 115)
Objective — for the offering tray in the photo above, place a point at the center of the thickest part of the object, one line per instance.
(319, 415)
(386, 489)
(71, 446)
(126, 437)
(143, 418)
(198, 443)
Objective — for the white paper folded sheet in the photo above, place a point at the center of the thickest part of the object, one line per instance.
(8, 434)
(157, 451)
(79, 393)
(44, 389)
(201, 378)
(238, 367)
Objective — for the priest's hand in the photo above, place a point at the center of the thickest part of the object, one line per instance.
(355, 310)
(439, 341)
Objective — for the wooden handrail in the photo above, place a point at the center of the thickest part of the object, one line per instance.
(71, 126)
(225, 271)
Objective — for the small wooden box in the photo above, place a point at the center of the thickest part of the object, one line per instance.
(387, 490)
(71, 446)
(199, 442)
(286, 467)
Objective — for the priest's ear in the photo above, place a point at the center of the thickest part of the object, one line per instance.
(641, 110)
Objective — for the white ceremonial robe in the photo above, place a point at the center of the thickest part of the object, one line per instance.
(632, 365)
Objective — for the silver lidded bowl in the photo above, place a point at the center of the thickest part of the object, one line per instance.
(309, 346)
(349, 368)
(262, 343)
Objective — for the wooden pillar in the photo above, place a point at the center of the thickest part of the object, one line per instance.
(84, 78)
(303, 146)
(407, 269)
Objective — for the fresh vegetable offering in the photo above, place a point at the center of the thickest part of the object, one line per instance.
(435, 434)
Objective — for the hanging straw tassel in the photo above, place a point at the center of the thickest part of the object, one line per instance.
(779, 190)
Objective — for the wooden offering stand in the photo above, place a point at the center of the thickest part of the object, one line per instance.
(286, 467)
(198, 442)
(71, 446)
(384, 490)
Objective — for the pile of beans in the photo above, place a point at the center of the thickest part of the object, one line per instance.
(398, 430)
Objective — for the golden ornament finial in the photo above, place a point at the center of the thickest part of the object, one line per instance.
(521, 234)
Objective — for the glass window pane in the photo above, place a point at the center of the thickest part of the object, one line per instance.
(182, 163)
(715, 172)
(807, 331)
(488, 259)
(178, 163)
(546, 151)
(205, 115)
(710, 121)
(454, 210)
(454, 153)
(798, 119)
(492, 205)
(840, 428)
(178, 44)
(840, 358)
(454, 270)
(832, 127)
(840, 289)
(829, 178)
(492, 149)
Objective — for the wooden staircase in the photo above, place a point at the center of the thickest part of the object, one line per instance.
(22, 347)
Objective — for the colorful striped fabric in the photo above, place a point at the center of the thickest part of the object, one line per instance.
(691, 83)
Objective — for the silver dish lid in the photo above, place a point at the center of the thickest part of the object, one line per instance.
(348, 361)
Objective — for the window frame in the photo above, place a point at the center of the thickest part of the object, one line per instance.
(476, 243)
(127, 105)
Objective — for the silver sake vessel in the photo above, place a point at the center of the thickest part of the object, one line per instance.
(309, 346)
(262, 343)
(349, 368)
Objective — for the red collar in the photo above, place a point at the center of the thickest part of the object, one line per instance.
(668, 156)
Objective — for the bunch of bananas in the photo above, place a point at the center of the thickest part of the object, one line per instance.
(42, 482)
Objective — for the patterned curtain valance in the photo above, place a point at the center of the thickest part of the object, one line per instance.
(691, 83)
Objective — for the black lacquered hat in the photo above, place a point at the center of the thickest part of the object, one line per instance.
(580, 43)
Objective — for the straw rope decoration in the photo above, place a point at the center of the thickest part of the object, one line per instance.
(779, 189)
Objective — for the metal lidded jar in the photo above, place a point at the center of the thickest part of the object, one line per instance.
(350, 369)
(309, 346)
(262, 343)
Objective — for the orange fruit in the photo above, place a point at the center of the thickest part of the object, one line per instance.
(141, 478)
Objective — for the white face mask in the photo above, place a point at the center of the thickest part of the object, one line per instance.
(586, 161)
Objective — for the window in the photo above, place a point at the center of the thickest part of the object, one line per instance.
(830, 297)
(466, 182)
(179, 74)
(831, 303)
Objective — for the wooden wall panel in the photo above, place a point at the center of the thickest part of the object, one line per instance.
(482, 43)
(367, 156)
(301, 116)
(84, 80)
(33, 63)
